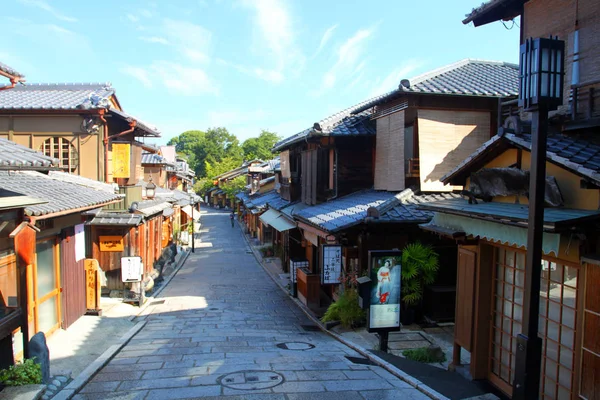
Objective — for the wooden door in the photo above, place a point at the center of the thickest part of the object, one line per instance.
(590, 353)
(465, 297)
(46, 287)
(73, 280)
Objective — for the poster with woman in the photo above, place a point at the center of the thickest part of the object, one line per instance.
(385, 271)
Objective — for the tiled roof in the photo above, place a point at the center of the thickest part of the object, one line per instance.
(61, 195)
(261, 200)
(342, 213)
(278, 203)
(15, 156)
(69, 96)
(340, 124)
(10, 71)
(12, 200)
(465, 78)
(502, 9)
(404, 207)
(147, 129)
(80, 180)
(293, 208)
(578, 155)
(243, 196)
(122, 219)
(151, 207)
(266, 167)
(152, 158)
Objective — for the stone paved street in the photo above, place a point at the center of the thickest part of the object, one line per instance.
(223, 329)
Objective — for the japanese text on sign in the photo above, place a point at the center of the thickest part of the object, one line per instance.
(332, 264)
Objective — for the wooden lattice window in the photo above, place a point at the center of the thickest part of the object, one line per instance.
(557, 322)
(63, 150)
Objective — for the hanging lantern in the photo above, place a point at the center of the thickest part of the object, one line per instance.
(542, 67)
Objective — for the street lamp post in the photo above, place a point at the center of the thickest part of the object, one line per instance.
(192, 222)
(541, 90)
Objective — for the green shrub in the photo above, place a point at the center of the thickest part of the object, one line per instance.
(346, 310)
(25, 373)
(420, 264)
(425, 355)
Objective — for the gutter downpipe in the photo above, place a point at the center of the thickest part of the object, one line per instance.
(132, 125)
(13, 83)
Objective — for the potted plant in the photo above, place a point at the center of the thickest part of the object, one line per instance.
(420, 264)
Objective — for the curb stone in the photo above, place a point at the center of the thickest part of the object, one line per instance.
(417, 384)
(84, 377)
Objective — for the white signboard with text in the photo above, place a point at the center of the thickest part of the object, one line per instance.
(385, 273)
(131, 269)
(332, 264)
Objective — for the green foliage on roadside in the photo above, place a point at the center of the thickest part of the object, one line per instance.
(260, 147)
(25, 373)
(346, 310)
(424, 355)
(420, 264)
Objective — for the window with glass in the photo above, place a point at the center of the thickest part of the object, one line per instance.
(62, 149)
(557, 322)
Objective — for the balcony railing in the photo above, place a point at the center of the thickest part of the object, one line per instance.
(412, 170)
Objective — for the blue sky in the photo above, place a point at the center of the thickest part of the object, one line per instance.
(246, 65)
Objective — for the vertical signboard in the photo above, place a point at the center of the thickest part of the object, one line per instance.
(385, 271)
(332, 264)
(121, 160)
(131, 269)
(79, 242)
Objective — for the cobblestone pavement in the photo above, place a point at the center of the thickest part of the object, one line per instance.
(223, 329)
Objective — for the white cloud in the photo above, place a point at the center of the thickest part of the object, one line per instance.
(349, 61)
(325, 39)
(276, 38)
(43, 5)
(177, 78)
(138, 73)
(132, 18)
(154, 39)
(192, 40)
(146, 13)
(392, 80)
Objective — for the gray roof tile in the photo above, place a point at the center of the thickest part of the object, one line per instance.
(576, 154)
(151, 207)
(278, 203)
(466, 78)
(61, 195)
(340, 124)
(342, 213)
(152, 158)
(260, 200)
(68, 96)
(15, 156)
(120, 219)
(10, 71)
(404, 207)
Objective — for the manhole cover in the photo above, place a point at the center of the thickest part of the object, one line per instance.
(295, 346)
(213, 309)
(251, 380)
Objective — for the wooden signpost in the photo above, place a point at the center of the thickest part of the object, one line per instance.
(92, 287)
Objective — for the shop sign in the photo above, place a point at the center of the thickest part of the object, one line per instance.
(332, 264)
(121, 160)
(111, 243)
(385, 273)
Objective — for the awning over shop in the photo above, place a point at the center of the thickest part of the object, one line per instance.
(276, 220)
(188, 210)
(447, 224)
(116, 219)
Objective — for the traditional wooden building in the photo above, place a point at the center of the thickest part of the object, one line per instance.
(56, 280)
(492, 238)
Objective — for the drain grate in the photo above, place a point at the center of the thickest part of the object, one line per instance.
(295, 346)
(157, 302)
(213, 309)
(251, 380)
(310, 328)
(358, 360)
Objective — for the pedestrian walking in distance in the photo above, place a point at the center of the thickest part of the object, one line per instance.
(231, 218)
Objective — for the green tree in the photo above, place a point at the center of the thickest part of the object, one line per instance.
(234, 186)
(260, 147)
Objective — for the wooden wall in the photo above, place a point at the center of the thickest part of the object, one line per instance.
(389, 155)
(354, 165)
(445, 139)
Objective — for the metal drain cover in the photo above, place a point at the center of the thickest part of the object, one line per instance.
(251, 380)
(295, 346)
